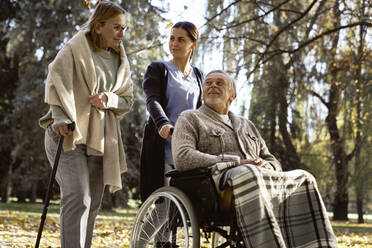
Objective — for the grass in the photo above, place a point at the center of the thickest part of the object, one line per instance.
(19, 223)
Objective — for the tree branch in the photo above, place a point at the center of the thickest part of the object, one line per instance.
(281, 51)
(240, 37)
(351, 154)
(330, 31)
(218, 14)
(318, 96)
(278, 34)
(302, 45)
(256, 17)
(144, 48)
(316, 155)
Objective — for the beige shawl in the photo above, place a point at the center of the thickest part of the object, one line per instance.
(70, 82)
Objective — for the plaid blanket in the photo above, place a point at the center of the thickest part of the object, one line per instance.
(280, 209)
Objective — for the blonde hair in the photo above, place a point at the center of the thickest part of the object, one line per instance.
(103, 11)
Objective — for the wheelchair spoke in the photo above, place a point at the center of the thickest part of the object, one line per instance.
(164, 221)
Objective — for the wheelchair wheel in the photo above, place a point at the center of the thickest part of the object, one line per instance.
(166, 219)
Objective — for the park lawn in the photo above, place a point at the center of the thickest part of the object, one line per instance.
(19, 225)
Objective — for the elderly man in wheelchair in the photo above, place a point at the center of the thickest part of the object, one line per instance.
(229, 187)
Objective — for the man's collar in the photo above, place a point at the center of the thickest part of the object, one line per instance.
(235, 120)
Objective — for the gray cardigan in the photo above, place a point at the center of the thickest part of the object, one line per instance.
(202, 139)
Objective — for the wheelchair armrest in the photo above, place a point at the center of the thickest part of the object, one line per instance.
(190, 173)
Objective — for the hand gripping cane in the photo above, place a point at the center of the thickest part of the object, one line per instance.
(71, 127)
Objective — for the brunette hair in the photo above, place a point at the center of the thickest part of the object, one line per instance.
(190, 28)
(103, 11)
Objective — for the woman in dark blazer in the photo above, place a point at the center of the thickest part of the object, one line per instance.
(170, 87)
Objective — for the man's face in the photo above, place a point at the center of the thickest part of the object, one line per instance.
(216, 91)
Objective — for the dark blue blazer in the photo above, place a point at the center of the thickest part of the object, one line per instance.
(152, 153)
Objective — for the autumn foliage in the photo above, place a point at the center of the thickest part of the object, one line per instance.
(19, 229)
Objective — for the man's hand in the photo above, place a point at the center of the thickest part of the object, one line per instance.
(63, 130)
(165, 131)
(98, 100)
(258, 162)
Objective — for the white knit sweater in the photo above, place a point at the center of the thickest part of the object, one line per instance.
(71, 80)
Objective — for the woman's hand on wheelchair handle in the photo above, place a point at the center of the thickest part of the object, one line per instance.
(166, 131)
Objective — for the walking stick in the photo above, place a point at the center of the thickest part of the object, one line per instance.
(71, 127)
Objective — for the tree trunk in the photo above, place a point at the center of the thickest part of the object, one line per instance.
(33, 193)
(8, 185)
(292, 159)
(359, 187)
(340, 204)
(281, 89)
(360, 211)
(272, 118)
(107, 200)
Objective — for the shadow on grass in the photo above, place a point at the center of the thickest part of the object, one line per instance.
(29, 207)
(37, 208)
(347, 226)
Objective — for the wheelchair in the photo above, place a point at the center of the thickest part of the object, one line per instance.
(179, 214)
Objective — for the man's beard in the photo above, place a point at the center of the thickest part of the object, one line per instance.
(214, 102)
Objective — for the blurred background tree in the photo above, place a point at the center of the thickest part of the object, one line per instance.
(35, 31)
(303, 70)
(308, 64)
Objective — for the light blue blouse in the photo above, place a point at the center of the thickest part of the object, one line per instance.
(182, 94)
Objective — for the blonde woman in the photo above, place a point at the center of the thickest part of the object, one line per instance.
(88, 83)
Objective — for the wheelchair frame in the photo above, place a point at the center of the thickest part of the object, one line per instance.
(192, 205)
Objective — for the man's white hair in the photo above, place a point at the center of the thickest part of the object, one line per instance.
(231, 81)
